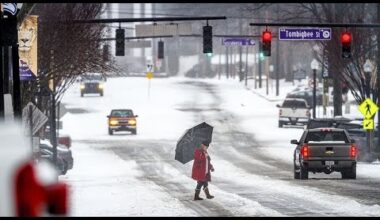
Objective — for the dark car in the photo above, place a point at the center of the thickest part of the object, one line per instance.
(122, 120)
(307, 94)
(353, 127)
(65, 159)
(325, 150)
(92, 83)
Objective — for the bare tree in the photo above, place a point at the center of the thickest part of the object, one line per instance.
(65, 50)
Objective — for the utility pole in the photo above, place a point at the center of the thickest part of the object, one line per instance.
(1, 70)
(378, 78)
(278, 58)
(259, 62)
(240, 52)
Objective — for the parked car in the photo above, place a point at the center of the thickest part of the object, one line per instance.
(293, 111)
(64, 139)
(122, 120)
(65, 159)
(29, 188)
(325, 150)
(307, 94)
(92, 83)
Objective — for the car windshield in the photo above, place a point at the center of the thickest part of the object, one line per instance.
(294, 104)
(122, 113)
(92, 77)
(321, 136)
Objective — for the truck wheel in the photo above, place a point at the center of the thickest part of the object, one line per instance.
(304, 173)
(110, 132)
(81, 94)
(101, 94)
(280, 124)
(296, 174)
(134, 131)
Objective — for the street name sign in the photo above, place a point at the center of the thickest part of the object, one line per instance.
(368, 108)
(238, 42)
(163, 29)
(304, 33)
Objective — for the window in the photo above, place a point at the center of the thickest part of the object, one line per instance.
(294, 104)
(122, 113)
(318, 136)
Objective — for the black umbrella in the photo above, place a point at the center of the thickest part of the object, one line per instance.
(192, 139)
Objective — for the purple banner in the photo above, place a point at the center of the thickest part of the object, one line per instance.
(25, 72)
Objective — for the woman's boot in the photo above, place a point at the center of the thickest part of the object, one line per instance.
(196, 196)
(208, 193)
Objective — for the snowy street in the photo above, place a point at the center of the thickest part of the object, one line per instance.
(137, 175)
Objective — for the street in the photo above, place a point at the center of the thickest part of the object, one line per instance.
(253, 159)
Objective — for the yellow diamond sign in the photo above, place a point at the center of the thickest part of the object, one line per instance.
(149, 75)
(368, 124)
(368, 108)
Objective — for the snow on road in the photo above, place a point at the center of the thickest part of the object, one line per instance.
(105, 185)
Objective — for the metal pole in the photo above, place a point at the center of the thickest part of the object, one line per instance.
(246, 67)
(378, 78)
(53, 129)
(267, 78)
(2, 115)
(1, 71)
(260, 73)
(314, 91)
(277, 60)
(31, 129)
(16, 83)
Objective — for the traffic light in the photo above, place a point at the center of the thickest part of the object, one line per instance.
(267, 39)
(346, 39)
(160, 50)
(207, 39)
(120, 47)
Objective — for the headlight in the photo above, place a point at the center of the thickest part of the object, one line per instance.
(100, 86)
(132, 122)
(82, 86)
(114, 122)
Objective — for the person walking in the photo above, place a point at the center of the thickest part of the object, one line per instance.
(201, 171)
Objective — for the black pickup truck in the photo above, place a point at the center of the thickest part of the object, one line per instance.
(325, 150)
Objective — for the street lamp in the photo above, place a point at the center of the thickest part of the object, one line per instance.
(368, 68)
(314, 67)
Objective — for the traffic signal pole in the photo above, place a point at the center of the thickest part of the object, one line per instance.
(378, 78)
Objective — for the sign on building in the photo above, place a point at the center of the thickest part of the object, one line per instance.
(163, 29)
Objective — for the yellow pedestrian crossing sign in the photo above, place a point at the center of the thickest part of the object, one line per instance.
(368, 124)
(149, 75)
(368, 108)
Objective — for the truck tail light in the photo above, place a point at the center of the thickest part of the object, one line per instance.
(280, 112)
(29, 195)
(305, 151)
(353, 150)
(57, 198)
(307, 113)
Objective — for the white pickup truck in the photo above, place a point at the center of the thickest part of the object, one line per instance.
(293, 111)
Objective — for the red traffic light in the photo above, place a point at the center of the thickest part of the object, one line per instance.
(345, 37)
(267, 36)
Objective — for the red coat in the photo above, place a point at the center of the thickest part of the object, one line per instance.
(199, 166)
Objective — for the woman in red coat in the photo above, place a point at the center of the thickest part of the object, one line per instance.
(201, 171)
